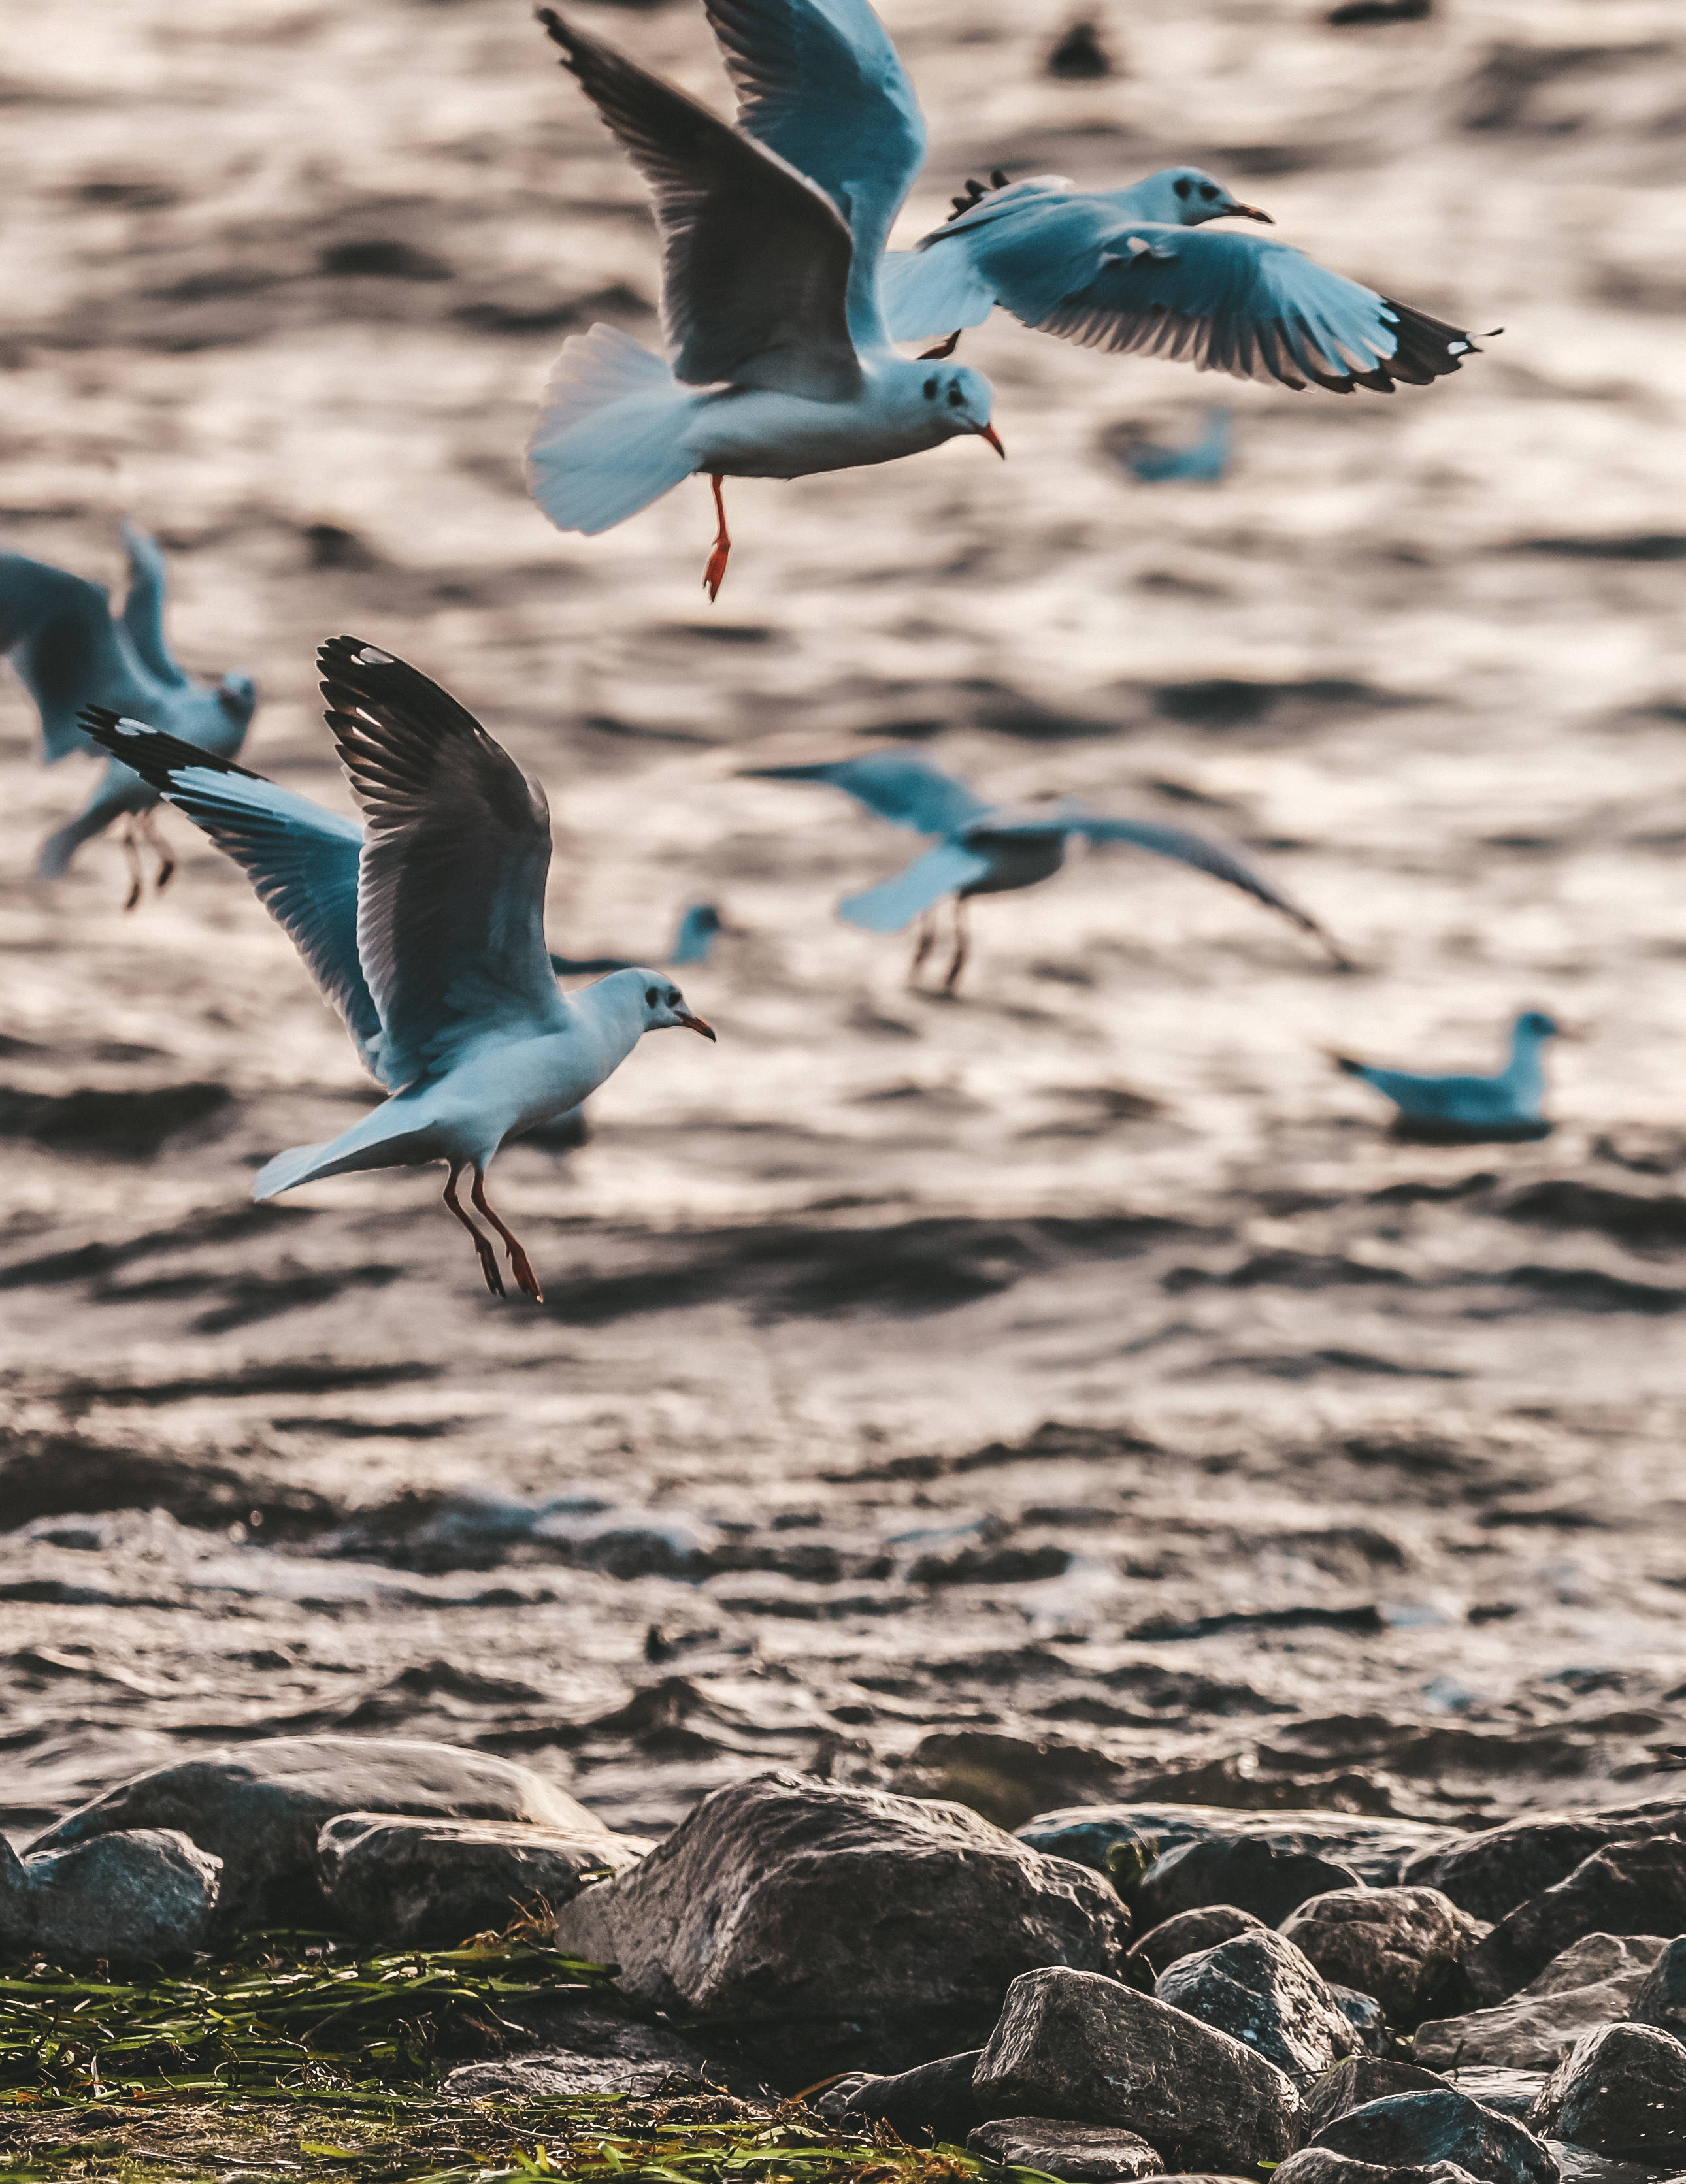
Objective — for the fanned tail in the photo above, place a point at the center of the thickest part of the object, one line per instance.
(609, 437)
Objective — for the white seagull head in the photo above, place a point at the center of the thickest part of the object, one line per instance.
(657, 1003)
(956, 399)
(237, 695)
(1184, 197)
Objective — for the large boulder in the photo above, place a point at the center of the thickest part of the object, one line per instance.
(1620, 2090)
(428, 1883)
(1660, 1996)
(1597, 1981)
(1261, 1991)
(1256, 1876)
(1091, 2050)
(1187, 1933)
(1356, 2082)
(1417, 2131)
(1375, 1849)
(1403, 1946)
(142, 1896)
(841, 1919)
(1628, 1888)
(1493, 1872)
(1318, 2164)
(260, 1807)
(1076, 2153)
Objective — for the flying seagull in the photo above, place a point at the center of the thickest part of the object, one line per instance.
(1466, 1109)
(772, 234)
(70, 650)
(992, 849)
(1134, 269)
(426, 929)
(700, 926)
(1203, 463)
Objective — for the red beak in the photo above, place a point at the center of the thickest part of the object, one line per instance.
(696, 1024)
(988, 432)
(1252, 212)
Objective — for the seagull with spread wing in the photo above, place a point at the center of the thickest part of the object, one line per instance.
(1137, 268)
(425, 928)
(70, 650)
(993, 848)
(772, 234)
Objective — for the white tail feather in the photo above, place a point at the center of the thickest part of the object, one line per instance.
(609, 438)
(928, 294)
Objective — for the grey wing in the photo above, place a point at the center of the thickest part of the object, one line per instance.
(144, 604)
(301, 859)
(59, 631)
(820, 82)
(944, 870)
(1240, 303)
(755, 259)
(898, 785)
(450, 913)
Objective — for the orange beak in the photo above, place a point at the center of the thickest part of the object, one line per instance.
(988, 432)
(696, 1024)
(1252, 212)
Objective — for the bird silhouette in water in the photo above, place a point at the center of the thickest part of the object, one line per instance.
(70, 650)
(1465, 1109)
(992, 849)
(1203, 463)
(700, 925)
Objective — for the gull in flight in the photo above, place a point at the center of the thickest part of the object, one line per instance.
(993, 848)
(1462, 1109)
(1136, 269)
(772, 235)
(425, 929)
(700, 926)
(70, 650)
(1203, 462)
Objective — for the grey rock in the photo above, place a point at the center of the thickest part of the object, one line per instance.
(260, 1807)
(1404, 1946)
(1188, 1932)
(1363, 2013)
(1491, 1873)
(1376, 1850)
(1319, 2165)
(1661, 1998)
(1628, 1888)
(1251, 1874)
(1620, 2090)
(1597, 1981)
(1419, 2130)
(1260, 1990)
(144, 1895)
(933, 2103)
(428, 1883)
(598, 2049)
(1505, 2092)
(833, 1915)
(1080, 2152)
(1091, 2050)
(1356, 2082)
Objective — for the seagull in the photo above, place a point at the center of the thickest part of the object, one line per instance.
(70, 650)
(699, 925)
(1133, 269)
(772, 234)
(1204, 462)
(1460, 1108)
(426, 929)
(993, 848)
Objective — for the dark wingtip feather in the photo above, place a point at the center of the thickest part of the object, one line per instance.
(157, 756)
(1426, 349)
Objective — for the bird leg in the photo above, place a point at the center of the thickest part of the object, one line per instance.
(137, 878)
(715, 574)
(483, 1244)
(519, 1261)
(161, 849)
(942, 348)
(922, 947)
(957, 962)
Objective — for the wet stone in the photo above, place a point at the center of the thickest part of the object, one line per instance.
(934, 2103)
(1373, 1849)
(1620, 2090)
(1628, 1888)
(1188, 1932)
(1419, 2130)
(1403, 1946)
(1079, 2152)
(1365, 2015)
(1491, 1873)
(1253, 1876)
(1319, 2165)
(1660, 1999)
(1358, 2080)
(140, 1895)
(1260, 1990)
(1597, 1981)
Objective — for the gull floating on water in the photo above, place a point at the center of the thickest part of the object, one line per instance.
(1462, 1108)
(426, 930)
(772, 235)
(1135, 269)
(1203, 462)
(70, 651)
(993, 848)
(700, 926)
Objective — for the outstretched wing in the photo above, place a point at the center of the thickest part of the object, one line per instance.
(897, 784)
(58, 631)
(1185, 846)
(451, 911)
(820, 82)
(945, 283)
(945, 870)
(755, 259)
(1240, 303)
(143, 608)
(300, 857)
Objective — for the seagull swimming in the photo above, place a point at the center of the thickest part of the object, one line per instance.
(426, 930)
(993, 848)
(1203, 463)
(1507, 1106)
(1134, 269)
(700, 925)
(70, 651)
(772, 234)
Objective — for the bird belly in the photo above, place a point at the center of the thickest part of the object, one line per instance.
(500, 1091)
(752, 433)
(1015, 861)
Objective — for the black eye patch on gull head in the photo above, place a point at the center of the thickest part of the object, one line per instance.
(1182, 185)
(955, 398)
(930, 388)
(1207, 191)
(649, 997)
